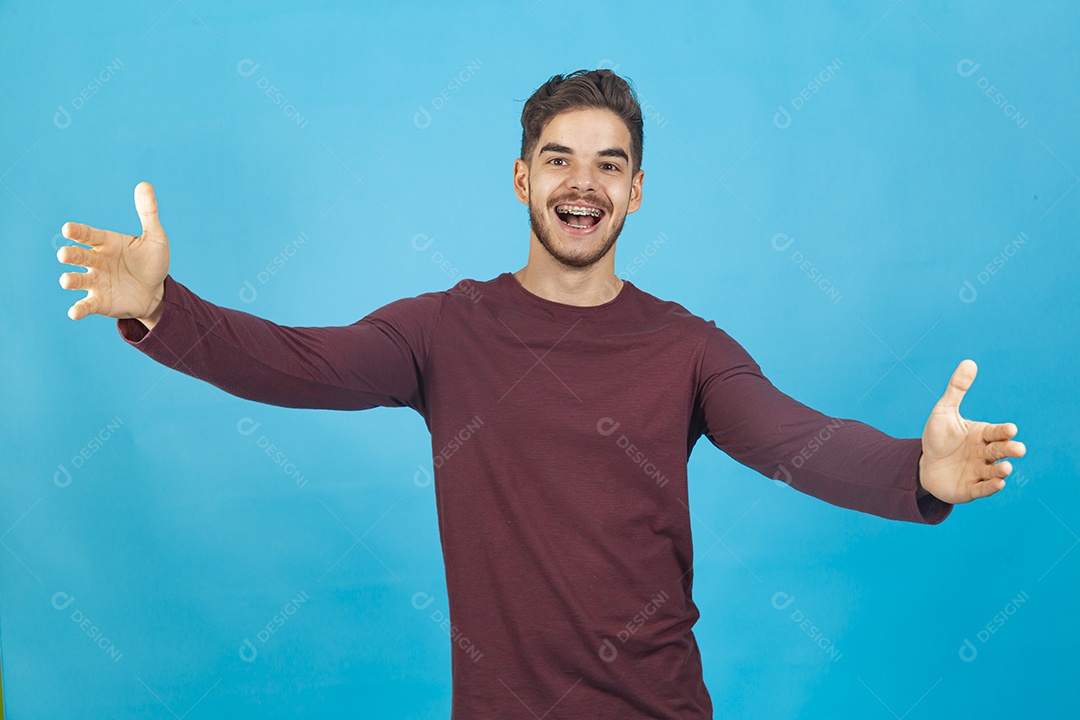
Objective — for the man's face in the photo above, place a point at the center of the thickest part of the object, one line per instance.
(582, 160)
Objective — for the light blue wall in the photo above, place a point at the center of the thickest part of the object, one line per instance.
(930, 222)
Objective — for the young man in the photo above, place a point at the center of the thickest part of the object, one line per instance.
(564, 404)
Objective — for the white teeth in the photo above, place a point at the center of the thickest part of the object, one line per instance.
(574, 210)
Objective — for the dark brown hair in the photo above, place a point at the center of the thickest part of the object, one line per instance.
(583, 89)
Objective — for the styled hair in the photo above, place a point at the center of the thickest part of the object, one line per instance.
(581, 89)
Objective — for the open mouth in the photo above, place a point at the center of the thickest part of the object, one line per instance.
(579, 219)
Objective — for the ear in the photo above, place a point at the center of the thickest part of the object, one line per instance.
(521, 180)
(635, 192)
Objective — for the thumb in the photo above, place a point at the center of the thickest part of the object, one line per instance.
(959, 384)
(146, 205)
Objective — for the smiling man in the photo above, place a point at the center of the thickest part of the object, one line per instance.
(572, 401)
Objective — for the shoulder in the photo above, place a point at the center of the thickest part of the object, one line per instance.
(426, 309)
(673, 313)
(717, 351)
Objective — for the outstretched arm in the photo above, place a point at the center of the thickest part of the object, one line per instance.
(377, 361)
(960, 458)
(842, 461)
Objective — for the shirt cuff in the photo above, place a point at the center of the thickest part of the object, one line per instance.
(931, 509)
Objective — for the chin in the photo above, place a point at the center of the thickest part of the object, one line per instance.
(592, 244)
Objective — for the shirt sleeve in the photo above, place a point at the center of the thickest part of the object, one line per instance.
(378, 361)
(841, 461)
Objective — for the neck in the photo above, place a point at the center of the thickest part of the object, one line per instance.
(583, 287)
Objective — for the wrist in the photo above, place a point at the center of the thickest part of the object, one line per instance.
(152, 318)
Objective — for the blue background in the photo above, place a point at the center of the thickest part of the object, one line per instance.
(897, 177)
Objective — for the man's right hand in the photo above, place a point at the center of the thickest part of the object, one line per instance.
(125, 274)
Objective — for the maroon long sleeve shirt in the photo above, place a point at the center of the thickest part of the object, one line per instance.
(560, 439)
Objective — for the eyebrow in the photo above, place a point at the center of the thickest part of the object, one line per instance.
(608, 152)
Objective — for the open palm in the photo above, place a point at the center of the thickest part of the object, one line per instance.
(125, 274)
(960, 460)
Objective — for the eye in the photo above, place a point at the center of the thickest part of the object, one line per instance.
(612, 166)
(554, 159)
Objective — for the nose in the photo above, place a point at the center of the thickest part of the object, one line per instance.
(582, 178)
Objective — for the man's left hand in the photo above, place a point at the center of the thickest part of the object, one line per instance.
(960, 457)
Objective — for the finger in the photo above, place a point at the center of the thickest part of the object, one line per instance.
(959, 383)
(75, 255)
(987, 488)
(83, 233)
(87, 306)
(1005, 449)
(146, 205)
(988, 472)
(1001, 431)
(75, 281)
